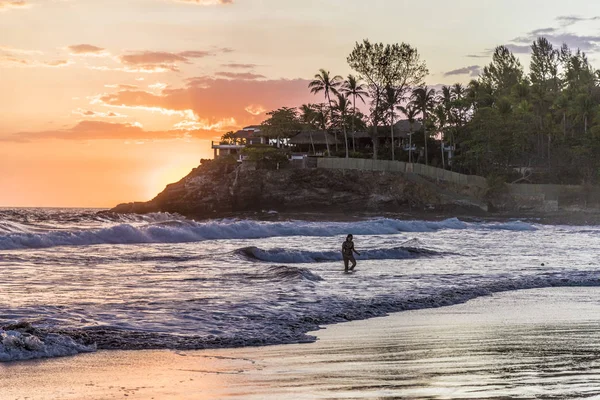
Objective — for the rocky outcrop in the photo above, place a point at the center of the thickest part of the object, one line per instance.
(215, 190)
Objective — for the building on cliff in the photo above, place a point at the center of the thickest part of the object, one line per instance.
(313, 142)
(242, 138)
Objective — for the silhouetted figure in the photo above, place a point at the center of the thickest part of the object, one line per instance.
(348, 253)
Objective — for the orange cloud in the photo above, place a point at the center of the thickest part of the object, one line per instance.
(122, 86)
(8, 4)
(96, 114)
(255, 109)
(13, 57)
(239, 66)
(100, 130)
(214, 99)
(58, 63)
(11, 61)
(87, 50)
(240, 75)
(161, 60)
(12, 50)
(205, 125)
(205, 2)
(158, 86)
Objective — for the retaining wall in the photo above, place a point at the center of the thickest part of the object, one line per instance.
(399, 166)
(527, 196)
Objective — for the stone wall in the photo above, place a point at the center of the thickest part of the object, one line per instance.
(399, 166)
(522, 196)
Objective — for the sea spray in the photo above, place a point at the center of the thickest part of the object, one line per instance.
(292, 256)
(182, 231)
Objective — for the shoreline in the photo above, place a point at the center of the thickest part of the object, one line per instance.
(564, 217)
(506, 344)
(575, 218)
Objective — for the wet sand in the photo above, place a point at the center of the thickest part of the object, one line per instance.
(542, 343)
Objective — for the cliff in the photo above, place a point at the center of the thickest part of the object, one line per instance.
(217, 189)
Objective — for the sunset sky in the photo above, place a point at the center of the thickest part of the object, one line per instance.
(107, 101)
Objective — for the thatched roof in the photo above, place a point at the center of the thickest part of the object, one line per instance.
(248, 132)
(403, 127)
(243, 134)
(318, 137)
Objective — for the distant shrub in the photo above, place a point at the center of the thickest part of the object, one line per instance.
(265, 157)
(222, 164)
(356, 154)
(229, 159)
(496, 185)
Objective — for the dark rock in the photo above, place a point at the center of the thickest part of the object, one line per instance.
(216, 190)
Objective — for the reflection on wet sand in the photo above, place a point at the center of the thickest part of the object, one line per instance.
(535, 343)
(542, 343)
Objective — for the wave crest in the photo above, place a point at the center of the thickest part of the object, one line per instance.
(288, 256)
(22, 342)
(170, 229)
(284, 272)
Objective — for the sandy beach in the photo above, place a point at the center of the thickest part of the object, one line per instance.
(541, 343)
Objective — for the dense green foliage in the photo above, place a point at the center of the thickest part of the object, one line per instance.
(538, 126)
(266, 157)
(545, 123)
(389, 71)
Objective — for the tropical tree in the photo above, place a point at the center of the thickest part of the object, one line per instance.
(503, 72)
(411, 115)
(282, 123)
(322, 120)
(396, 65)
(545, 62)
(308, 117)
(323, 82)
(229, 137)
(584, 107)
(423, 99)
(315, 117)
(461, 104)
(390, 102)
(441, 116)
(355, 88)
(341, 108)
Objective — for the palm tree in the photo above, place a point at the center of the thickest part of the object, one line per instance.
(441, 116)
(411, 115)
(390, 100)
(323, 82)
(308, 116)
(561, 104)
(354, 87)
(445, 96)
(584, 106)
(458, 91)
(423, 99)
(341, 107)
(458, 94)
(321, 122)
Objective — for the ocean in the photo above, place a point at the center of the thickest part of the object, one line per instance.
(75, 280)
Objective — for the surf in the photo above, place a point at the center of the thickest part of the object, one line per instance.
(162, 228)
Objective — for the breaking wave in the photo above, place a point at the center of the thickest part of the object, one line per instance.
(165, 228)
(285, 273)
(301, 256)
(274, 324)
(23, 342)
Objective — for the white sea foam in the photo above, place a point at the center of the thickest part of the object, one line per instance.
(290, 256)
(218, 294)
(181, 231)
(18, 346)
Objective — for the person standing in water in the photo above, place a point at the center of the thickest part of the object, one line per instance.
(348, 253)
